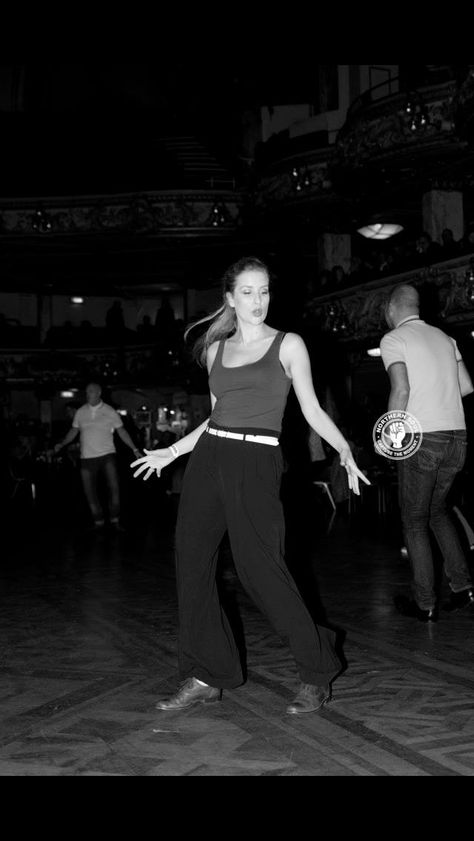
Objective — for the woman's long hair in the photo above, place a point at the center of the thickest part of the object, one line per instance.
(223, 321)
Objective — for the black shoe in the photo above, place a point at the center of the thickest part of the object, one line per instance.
(309, 699)
(458, 601)
(408, 607)
(191, 692)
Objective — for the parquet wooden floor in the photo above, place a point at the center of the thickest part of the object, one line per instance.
(88, 643)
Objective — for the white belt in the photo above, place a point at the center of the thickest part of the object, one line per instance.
(240, 436)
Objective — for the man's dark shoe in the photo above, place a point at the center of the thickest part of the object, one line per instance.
(309, 699)
(190, 692)
(408, 607)
(459, 601)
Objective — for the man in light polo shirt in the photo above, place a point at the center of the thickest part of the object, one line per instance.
(428, 379)
(96, 422)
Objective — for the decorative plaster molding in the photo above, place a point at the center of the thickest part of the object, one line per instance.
(158, 214)
(280, 187)
(360, 310)
(374, 132)
(386, 130)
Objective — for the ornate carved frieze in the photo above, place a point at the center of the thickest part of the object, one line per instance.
(296, 184)
(358, 314)
(384, 129)
(157, 214)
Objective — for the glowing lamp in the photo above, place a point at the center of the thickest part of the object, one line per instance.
(380, 231)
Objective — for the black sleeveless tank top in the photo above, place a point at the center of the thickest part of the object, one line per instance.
(252, 395)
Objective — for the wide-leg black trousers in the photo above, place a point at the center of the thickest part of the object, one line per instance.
(235, 486)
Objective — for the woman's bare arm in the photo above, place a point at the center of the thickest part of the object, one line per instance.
(296, 361)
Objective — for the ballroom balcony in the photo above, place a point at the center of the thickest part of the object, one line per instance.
(392, 140)
(164, 214)
(355, 315)
(98, 243)
(399, 122)
(403, 142)
(292, 171)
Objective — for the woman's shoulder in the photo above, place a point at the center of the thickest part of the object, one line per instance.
(292, 340)
(292, 349)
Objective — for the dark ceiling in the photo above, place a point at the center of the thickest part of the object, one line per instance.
(91, 129)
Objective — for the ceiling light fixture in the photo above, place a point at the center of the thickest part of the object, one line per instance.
(380, 230)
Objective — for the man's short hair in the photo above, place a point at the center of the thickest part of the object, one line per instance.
(405, 297)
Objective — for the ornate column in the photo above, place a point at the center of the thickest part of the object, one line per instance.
(44, 315)
(443, 209)
(46, 413)
(334, 250)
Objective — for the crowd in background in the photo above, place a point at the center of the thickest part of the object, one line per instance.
(394, 257)
(164, 330)
(26, 442)
(32, 478)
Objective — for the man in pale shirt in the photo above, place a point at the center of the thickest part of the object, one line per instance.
(96, 423)
(428, 380)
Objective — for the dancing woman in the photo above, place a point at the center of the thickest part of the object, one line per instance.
(232, 483)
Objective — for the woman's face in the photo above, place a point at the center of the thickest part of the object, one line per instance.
(251, 296)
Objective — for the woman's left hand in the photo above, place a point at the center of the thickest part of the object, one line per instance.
(353, 472)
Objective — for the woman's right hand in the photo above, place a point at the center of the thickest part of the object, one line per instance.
(154, 460)
(353, 472)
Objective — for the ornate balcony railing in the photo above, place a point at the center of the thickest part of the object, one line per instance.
(357, 314)
(354, 316)
(175, 213)
(398, 125)
(297, 181)
(405, 134)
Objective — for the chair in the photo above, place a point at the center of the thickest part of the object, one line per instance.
(466, 526)
(327, 490)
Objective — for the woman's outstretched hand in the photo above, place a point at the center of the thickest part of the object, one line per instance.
(353, 472)
(153, 461)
